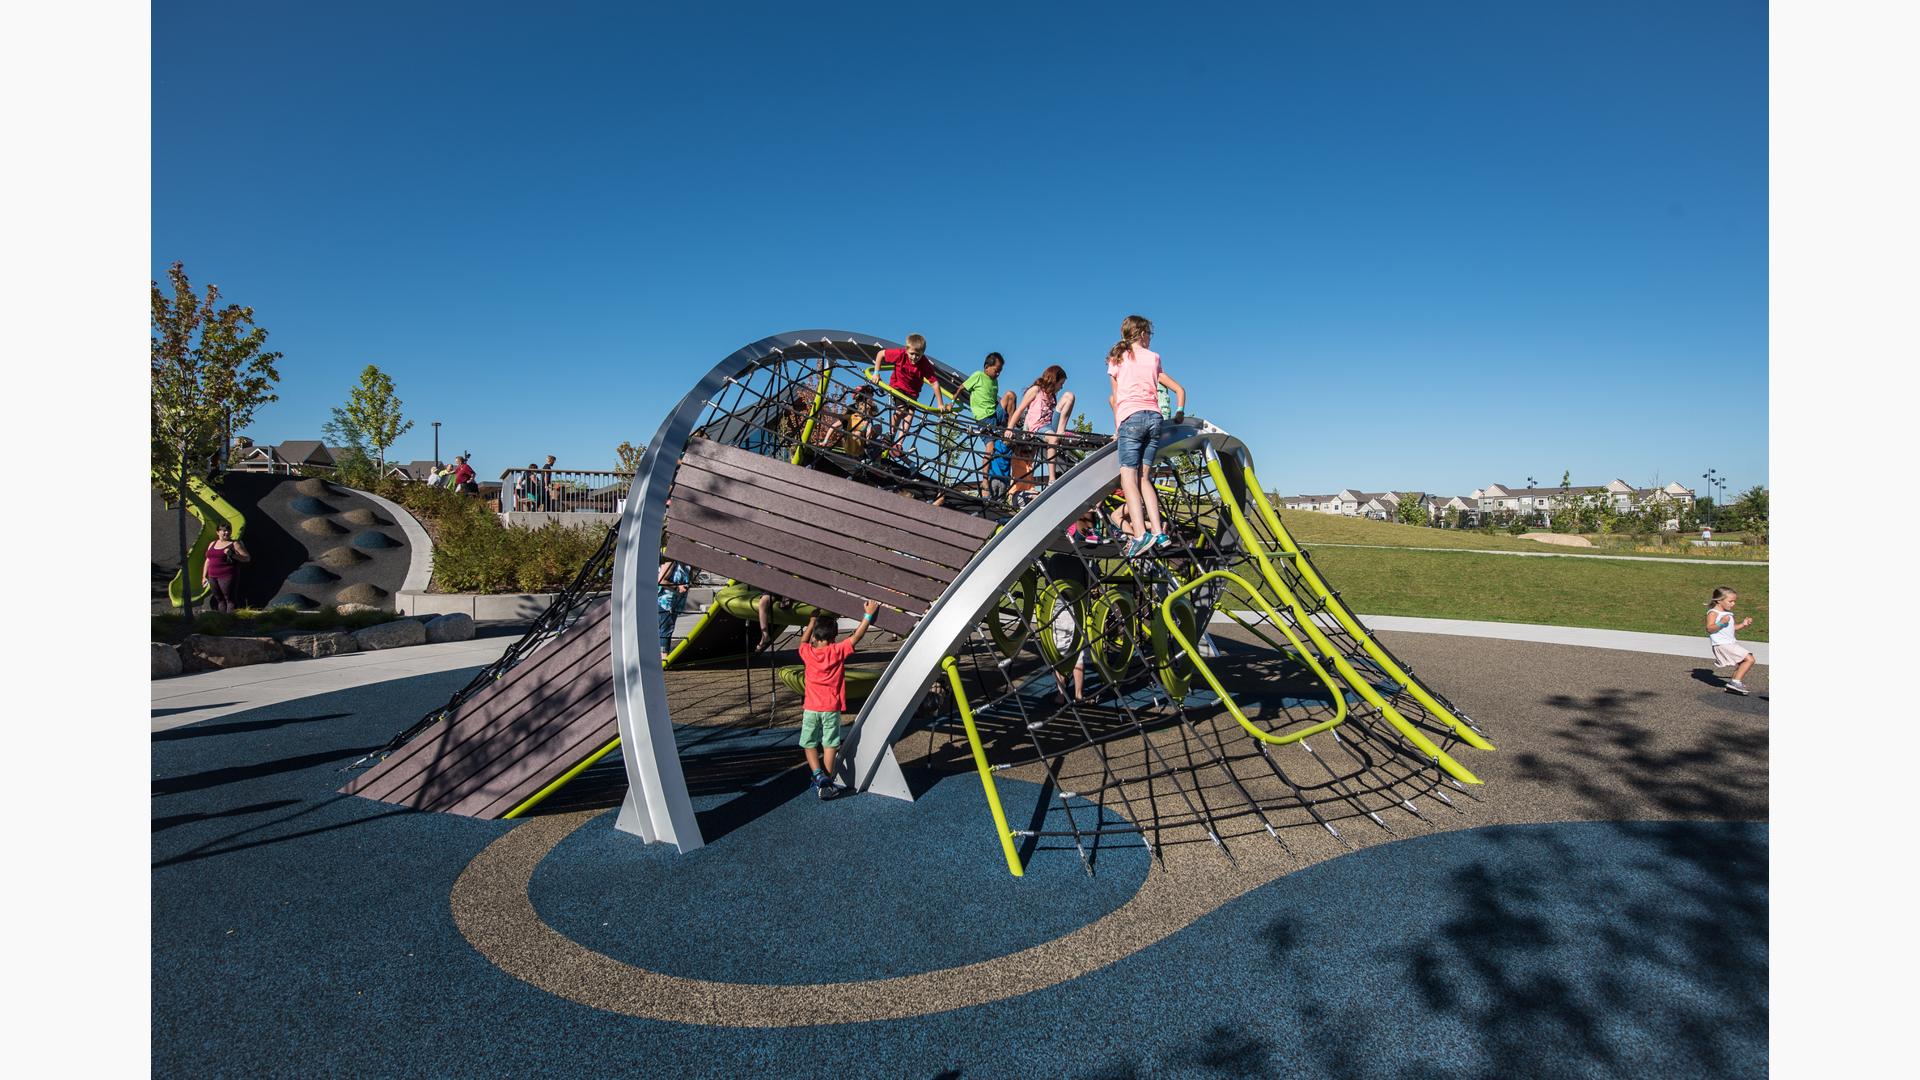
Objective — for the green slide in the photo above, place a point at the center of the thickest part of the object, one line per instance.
(205, 504)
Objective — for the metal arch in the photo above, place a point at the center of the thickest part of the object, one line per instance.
(657, 807)
(989, 573)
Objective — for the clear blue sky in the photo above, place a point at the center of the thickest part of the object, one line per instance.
(1403, 245)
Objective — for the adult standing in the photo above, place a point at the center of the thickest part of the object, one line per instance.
(224, 556)
(463, 476)
(547, 501)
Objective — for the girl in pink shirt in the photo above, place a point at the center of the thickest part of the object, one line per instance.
(1136, 376)
(1044, 409)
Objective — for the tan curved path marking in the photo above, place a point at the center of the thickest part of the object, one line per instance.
(492, 908)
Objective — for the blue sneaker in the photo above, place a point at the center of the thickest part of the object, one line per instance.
(1138, 545)
(1162, 540)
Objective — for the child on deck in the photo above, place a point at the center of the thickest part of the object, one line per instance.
(983, 398)
(1043, 410)
(1136, 375)
(825, 661)
(911, 369)
(675, 578)
(1726, 651)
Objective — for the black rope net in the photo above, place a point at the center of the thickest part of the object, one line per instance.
(1136, 742)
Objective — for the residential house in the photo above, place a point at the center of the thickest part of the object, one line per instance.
(1318, 504)
(1500, 498)
(284, 458)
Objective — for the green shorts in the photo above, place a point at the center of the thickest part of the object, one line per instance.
(819, 729)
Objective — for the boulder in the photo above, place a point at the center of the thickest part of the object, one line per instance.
(204, 652)
(166, 660)
(391, 635)
(355, 609)
(454, 626)
(321, 643)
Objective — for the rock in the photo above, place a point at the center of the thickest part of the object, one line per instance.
(391, 635)
(319, 526)
(370, 539)
(321, 643)
(204, 652)
(166, 660)
(454, 626)
(364, 592)
(364, 516)
(355, 609)
(340, 558)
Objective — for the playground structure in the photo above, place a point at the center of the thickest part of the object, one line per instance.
(207, 507)
(789, 474)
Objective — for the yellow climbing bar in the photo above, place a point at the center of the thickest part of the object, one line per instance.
(872, 375)
(1353, 678)
(534, 799)
(1193, 656)
(1352, 625)
(819, 397)
(980, 762)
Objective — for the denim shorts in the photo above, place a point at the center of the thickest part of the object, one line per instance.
(1138, 436)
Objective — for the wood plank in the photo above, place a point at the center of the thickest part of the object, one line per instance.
(771, 517)
(839, 558)
(586, 656)
(782, 584)
(811, 507)
(595, 726)
(530, 734)
(882, 506)
(847, 490)
(789, 563)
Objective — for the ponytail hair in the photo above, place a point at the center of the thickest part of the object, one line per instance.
(1051, 379)
(1132, 329)
(1721, 592)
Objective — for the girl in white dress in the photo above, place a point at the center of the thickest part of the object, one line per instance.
(1720, 628)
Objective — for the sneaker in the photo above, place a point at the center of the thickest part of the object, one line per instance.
(1735, 686)
(827, 791)
(1162, 540)
(1138, 545)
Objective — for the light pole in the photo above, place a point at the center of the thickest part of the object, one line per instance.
(436, 443)
(1531, 498)
(1708, 476)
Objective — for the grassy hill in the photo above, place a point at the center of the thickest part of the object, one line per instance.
(1612, 594)
(1314, 528)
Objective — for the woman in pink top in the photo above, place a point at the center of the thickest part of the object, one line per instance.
(1135, 372)
(1044, 409)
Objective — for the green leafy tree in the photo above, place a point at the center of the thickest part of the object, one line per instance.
(1411, 510)
(210, 371)
(371, 420)
(1751, 508)
(1453, 517)
(629, 456)
(1082, 425)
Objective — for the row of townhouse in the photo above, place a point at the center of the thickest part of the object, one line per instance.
(1492, 499)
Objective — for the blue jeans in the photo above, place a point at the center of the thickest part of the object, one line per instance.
(1139, 436)
(667, 617)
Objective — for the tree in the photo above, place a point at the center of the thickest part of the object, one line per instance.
(210, 371)
(1411, 510)
(1082, 425)
(629, 456)
(1453, 517)
(371, 418)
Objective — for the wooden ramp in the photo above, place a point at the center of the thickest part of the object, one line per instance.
(805, 535)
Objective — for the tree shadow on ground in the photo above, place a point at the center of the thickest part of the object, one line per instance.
(1623, 766)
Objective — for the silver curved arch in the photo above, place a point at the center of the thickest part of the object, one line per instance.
(990, 573)
(656, 806)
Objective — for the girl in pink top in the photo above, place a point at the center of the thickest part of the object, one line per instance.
(1044, 409)
(1136, 376)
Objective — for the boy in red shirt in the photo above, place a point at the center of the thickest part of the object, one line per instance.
(826, 663)
(911, 370)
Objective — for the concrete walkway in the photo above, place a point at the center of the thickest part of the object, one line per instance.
(1548, 554)
(188, 699)
(1691, 645)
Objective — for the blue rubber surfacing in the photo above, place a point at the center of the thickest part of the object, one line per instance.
(297, 932)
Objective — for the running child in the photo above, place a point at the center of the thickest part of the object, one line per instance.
(1726, 651)
(825, 661)
(911, 370)
(1136, 375)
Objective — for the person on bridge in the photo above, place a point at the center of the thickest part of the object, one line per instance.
(1043, 411)
(911, 369)
(825, 661)
(1135, 372)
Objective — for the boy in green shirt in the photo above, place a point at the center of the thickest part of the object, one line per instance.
(983, 401)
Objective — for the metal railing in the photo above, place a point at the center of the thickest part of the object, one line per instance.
(563, 491)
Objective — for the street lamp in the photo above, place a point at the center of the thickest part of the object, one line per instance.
(436, 443)
(1708, 476)
(1531, 484)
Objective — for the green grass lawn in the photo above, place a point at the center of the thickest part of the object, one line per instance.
(1310, 529)
(1609, 594)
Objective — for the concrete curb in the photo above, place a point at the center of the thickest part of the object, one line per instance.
(483, 607)
(1687, 645)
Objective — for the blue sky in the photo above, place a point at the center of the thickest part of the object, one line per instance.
(1390, 245)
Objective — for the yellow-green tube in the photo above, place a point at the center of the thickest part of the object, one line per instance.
(1345, 618)
(1193, 655)
(980, 762)
(1360, 685)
